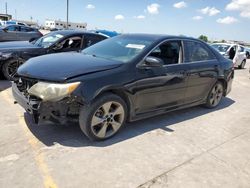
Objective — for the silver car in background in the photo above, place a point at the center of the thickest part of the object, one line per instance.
(235, 52)
(18, 33)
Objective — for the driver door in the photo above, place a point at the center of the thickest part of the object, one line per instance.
(11, 33)
(162, 87)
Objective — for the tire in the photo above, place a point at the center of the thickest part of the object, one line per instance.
(215, 95)
(10, 67)
(99, 125)
(242, 65)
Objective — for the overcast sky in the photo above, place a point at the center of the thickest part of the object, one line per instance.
(218, 19)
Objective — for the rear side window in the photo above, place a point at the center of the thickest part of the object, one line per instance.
(93, 39)
(24, 29)
(242, 49)
(196, 51)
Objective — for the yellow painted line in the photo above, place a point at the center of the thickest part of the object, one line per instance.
(39, 156)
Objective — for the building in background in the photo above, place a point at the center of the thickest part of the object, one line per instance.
(58, 24)
(5, 17)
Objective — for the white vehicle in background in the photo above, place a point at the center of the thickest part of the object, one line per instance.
(235, 52)
(5, 23)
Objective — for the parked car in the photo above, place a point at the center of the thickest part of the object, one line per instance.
(125, 78)
(18, 33)
(5, 23)
(234, 52)
(13, 54)
(247, 50)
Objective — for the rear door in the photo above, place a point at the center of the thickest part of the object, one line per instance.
(24, 33)
(241, 53)
(203, 70)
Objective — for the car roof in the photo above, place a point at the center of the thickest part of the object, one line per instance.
(158, 36)
(224, 43)
(17, 25)
(73, 32)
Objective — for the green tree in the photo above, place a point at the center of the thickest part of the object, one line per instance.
(204, 38)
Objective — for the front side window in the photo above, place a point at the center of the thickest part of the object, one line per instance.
(70, 43)
(12, 28)
(196, 51)
(121, 48)
(169, 52)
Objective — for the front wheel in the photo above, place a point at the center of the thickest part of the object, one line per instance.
(10, 67)
(104, 117)
(215, 95)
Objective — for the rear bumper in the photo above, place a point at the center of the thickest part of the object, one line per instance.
(62, 112)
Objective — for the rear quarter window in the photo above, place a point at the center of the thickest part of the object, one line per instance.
(196, 51)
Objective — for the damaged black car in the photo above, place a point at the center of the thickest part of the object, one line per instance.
(125, 78)
(14, 54)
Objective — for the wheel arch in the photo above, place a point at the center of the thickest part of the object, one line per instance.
(224, 82)
(119, 92)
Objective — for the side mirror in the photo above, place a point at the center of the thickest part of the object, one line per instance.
(151, 61)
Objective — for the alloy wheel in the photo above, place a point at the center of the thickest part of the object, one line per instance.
(216, 94)
(11, 69)
(107, 119)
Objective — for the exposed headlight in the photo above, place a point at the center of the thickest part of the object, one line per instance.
(52, 92)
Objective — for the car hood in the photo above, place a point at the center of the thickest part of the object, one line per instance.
(11, 46)
(63, 66)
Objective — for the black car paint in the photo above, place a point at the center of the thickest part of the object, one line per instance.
(24, 50)
(148, 91)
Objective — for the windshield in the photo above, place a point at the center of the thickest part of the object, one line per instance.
(221, 47)
(47, 40)
(121, 48)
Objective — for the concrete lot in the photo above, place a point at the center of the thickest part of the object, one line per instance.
(195, 147)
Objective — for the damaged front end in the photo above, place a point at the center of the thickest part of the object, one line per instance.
(42, 105)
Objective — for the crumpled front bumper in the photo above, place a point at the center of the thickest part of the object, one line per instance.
(30, 106)
(62, 112)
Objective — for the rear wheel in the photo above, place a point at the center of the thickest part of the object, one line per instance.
(242, 65)
(215, 95)
(10, 67)
(103, 118)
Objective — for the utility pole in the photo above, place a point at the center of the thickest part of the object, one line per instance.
(15, 15)
(6, 8)
(67, 14)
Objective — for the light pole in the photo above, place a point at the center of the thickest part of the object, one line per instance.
(6, 8)
(67, 14)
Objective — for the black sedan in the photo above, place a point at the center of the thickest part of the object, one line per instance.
(13, 54)
(125, 78)
(18, 33)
